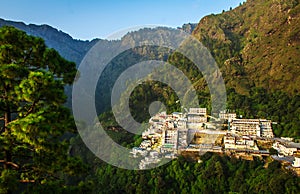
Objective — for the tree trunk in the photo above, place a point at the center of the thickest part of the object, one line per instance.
(7, 152)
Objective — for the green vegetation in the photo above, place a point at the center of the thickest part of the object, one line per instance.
(261, 75)
(33, 152)
(257, 49)
(277, 106)
(256, 45)
(215, 174)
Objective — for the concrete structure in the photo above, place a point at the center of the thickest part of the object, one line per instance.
(182, 142)
(226, 115)
(266, 128)
(239, 143)
(148, 160)
(182, 123)
(177, 115)
(286, 150)
(197, 115)
(145, 144)
(252, 127)
(137, 150)
(296, 163)
(177, 133)
(202, 111)
(196, 118)
(169, 138)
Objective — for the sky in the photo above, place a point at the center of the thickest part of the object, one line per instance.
(90, 19)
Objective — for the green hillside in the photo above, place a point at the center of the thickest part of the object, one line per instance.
(256, 45)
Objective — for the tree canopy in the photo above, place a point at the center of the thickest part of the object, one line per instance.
(33, 119)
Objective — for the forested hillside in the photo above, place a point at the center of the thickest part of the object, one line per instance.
(257, 48)
(256, 45)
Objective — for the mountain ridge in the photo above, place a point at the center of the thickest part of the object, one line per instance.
(256, 44)
(69, 48)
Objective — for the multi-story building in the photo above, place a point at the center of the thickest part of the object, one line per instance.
(198, 111)
(239, 143)
(252, 127)
(266, 128)
(169, 138)
(182, 138)
(197, 115)
(182, 123)
(286, 150)
(226, 115)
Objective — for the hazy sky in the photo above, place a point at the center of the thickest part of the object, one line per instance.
(97, 18)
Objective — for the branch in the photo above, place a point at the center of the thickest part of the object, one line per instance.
(27, 181)
(27, 56)
(31, 107)
(10, 163)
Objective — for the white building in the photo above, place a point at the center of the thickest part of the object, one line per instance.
(182, 123)
(252, 127)
(169, 138)
(197, 115)
(182, 138)
(177, 115)
(240, 143)
(145, 144)
(225, 115)
(137, 150)
(202, 111)
(284, 149)
(266, 128)
(296, 162)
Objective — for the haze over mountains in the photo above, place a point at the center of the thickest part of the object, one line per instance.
(255, 45)
(71, 49)
(75, 50)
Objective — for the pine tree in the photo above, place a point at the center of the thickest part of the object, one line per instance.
(32, 116)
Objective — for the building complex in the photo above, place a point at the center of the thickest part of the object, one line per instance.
(171, 134)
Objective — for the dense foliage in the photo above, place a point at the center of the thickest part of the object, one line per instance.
(256, 47)
(33, 153)
(215, 174)
(277, 106)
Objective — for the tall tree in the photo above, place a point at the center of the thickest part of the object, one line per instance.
(33, 118)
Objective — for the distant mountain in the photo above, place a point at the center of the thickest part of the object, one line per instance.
(256, 44)
(188, 28)
(75, 50)
(69, 48)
